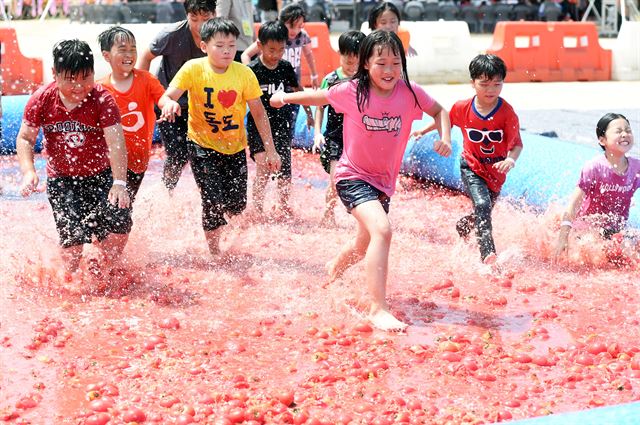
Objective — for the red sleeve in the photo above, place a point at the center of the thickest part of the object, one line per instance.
(512, 130)
(109, 112)
(33, 109)
(454, 115)
(156, 90)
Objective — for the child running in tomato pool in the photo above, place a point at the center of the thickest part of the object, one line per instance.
(607, 183)
(379, 104)
(219, 91)
(86, 156)
(491, 146)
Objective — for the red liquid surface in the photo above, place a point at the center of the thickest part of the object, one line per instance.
(258, 338)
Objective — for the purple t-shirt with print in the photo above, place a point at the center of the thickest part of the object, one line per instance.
(375, 139)
(607, 192)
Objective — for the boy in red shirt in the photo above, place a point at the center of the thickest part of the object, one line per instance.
(86, 155)
(491, 146)
(136, 92)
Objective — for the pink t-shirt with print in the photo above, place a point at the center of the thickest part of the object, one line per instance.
(606, 192)
(375, 139)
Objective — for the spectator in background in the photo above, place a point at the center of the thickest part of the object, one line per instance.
(240, 12)
(269, 9)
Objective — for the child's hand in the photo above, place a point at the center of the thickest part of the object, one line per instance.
(314, 82)
(562, 247)
(411, 52)
(118, 196)
(418, 133)
(505, 166)
(442, 148)
(318, 142)
(29, 183)
(277, 100)
(169, 111)
(272, 160)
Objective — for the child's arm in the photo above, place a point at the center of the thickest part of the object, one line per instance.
(144, 60)
(567, 221)
(507, 165)
(170, 106)
(318, 137)
(308, 54)
(264, 128)
(307, 109)
(422, 132)
(311, 98)
(249, 52)
(114, 136)
(442, 123)
(25, 143)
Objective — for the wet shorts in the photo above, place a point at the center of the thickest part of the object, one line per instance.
(355, 192)
(222, 180)
(331, 151)
(81, 209)
(282, 144)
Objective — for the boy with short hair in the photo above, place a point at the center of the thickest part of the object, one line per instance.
(86, 155)
(136, 92)
(330, 143)
(219, 92)
(298, 42)
(491, 146)
(274, 75)
(177, 44)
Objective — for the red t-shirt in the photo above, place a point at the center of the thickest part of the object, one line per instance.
(138, 116)
(73, 140)
(486, 139)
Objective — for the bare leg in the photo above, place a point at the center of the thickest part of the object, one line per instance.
(112, 247)
(213, 241)
(373, 218)
(284, 193)
(328, 218)
(71, 257)
(259, 185)
(351, 253)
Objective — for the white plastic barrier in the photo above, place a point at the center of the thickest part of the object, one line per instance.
(625, 65)
(144, 33)
(444, 51)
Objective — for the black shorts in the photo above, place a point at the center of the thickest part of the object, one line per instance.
(81, 209)
(222, 180)
(355, 192)
(282, 141)
(134, 180)
(331, 151)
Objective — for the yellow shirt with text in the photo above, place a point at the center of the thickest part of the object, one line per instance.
(217, 103)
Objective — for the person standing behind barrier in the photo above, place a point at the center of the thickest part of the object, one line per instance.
(177, 44)
(298, 43)
(274, 75)
(86, 156)
(491, 146)
(269, 9)
(330, 143)
(607, 183)
(386, 16)
(379, 104)
(219, 91)
(241, 13)
(136, 92)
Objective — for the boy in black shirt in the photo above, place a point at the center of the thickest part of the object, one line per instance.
(274, 75)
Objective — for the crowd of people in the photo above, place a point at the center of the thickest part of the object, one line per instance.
(96, 160)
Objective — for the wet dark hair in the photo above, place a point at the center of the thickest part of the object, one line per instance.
(292, 13)
(72, 57)
(349, 42)
(379, 9)
(490, 66)
(107, 38)
(603, 123)
(200, 6)
(218, 26)
(378, 39)
(273, 31)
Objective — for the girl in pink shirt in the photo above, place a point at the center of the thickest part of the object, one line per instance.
(607, 184)
(379, 105)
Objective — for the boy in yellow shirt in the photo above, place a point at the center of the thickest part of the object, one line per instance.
(219, 91)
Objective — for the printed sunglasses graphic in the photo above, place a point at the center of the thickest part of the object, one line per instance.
(486, 137)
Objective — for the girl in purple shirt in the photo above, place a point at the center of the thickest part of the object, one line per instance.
(607, 183)
(379, 104)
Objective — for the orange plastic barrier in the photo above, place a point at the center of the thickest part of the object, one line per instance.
(326, 58)
(551, 51)
(20, 75)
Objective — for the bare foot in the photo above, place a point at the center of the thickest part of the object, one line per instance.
(384, 320)
(490, 259)
(332, 270)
